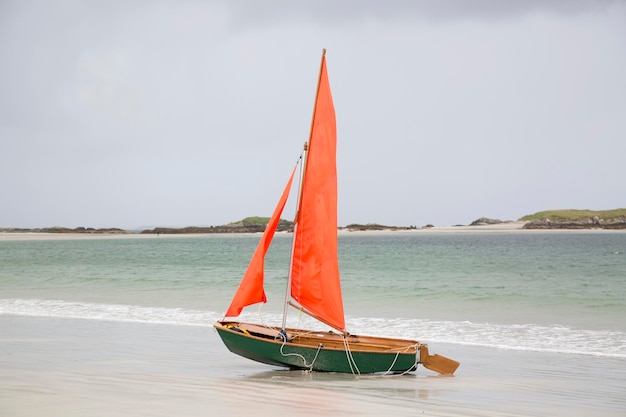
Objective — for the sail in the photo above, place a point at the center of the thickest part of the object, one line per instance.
(315, 268)
(250, 289)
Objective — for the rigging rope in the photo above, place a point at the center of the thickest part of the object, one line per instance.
(351, 360)
(392, 364)
(416, 346)
(300, 356)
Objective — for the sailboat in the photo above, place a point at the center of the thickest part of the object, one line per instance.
(313, 282)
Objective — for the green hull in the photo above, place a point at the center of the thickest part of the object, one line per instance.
(322, 359)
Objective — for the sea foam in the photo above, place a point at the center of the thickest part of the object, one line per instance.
(556, 338)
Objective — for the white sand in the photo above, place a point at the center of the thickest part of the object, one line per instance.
(503, 227)
(73, 367)
(509, 227)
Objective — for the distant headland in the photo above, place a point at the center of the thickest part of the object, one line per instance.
(576, 219)
(550, 219)
(567, 219)
(65, 230)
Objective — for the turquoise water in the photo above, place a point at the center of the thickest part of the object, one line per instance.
(545, 291)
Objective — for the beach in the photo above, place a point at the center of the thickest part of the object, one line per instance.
(122, 325)
(505, 227)
(73, 367)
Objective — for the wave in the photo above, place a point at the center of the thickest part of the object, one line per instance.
(529, 337)
(108, 312)
(558, 339)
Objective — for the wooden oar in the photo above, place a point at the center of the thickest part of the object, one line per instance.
(437, 363)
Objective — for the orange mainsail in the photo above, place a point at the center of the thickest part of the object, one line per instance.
(315, 281)
(250, 289)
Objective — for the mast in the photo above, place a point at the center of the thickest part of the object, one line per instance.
(299, 203)
(306, 144)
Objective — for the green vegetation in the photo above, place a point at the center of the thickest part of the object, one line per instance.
(575, 215)
(261, 221)
(253, 221)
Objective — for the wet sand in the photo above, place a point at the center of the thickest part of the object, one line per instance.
(75, 367)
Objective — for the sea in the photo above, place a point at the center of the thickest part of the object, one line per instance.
(551, 297)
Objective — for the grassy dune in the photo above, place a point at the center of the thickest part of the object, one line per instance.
(570, 215)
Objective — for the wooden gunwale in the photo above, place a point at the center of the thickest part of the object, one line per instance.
(330, 340)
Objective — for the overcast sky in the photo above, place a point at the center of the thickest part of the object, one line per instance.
(176, 113)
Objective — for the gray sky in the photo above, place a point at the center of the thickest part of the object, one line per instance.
(176, 113)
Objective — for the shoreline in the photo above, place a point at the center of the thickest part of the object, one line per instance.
(135, 369)
(509, 227)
